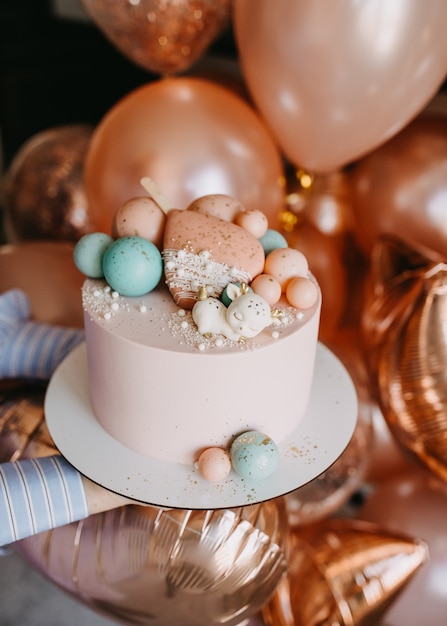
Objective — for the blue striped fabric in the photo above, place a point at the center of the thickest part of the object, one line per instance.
(37, 495)
(30, 349)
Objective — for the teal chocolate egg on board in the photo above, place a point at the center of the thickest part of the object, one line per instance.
(132, 266)
(254, 455)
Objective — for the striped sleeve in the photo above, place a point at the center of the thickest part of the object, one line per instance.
(37, 495)
(30, 349)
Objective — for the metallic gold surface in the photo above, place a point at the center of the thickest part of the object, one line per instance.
(343, 573)
(44, 191)
(405, 323)
(162, 36)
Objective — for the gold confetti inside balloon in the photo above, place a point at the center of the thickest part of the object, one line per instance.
(409, 311)
(163, 36)
(144, 565)
(343, 572)
(44, 190)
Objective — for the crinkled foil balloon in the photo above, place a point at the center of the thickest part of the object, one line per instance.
(343, 572)
(44, 189)
(162, 36)
(408, 309)
(144, 565)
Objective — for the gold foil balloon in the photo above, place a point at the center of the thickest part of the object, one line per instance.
(163, 36)
(401, 188)
(144, 565)
(343, 572)
(334, 80)
(325, 258)
(44, 188)
(192, 138)
(408, 306)
(46, 272)
(415, 503)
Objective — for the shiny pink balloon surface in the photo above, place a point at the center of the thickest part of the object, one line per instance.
(401, 188)
(192, 138)
(336, 79)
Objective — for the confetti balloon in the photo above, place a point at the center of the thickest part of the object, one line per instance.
(162, 36)
(345, 572)
(192, 138)
(44, 187)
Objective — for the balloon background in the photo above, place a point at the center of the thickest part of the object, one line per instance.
(334, 123)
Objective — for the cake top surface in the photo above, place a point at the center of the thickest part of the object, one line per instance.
(155, 320)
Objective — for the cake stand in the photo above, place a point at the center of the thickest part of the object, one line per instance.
(318, 441)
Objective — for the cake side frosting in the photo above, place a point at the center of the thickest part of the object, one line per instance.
(201, 328)
(161, 388)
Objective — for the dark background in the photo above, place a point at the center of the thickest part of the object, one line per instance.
(55, 71)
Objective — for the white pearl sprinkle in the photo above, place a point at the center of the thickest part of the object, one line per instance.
(184, 325)
(219, 342)
(107, 315)
(275, 334)
(96, 293)
(142, 308)
(115, 306)
(115, 294)
(181, 312)
(201, 346)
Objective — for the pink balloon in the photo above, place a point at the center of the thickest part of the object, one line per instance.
(336, 79)
(193, 138)
(401, 188)
(414, 504)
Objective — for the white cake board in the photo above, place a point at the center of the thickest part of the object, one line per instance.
(318, 441)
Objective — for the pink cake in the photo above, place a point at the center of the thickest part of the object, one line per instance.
(169, 379)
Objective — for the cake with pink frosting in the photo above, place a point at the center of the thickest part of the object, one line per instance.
(201, 329)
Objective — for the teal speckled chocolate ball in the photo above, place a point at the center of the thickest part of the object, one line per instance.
(89, 252)
(254, 455)
(132, 266)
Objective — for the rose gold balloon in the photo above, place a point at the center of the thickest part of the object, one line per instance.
(145, 565)
(325, 200)
(401, 188)
(163, 36)
(414, 503)
(45, 271)
(344, 572)
(44, 188)
(192, 138)
(412, 372)
(335, 80)
(326, 263)
(391, 285)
